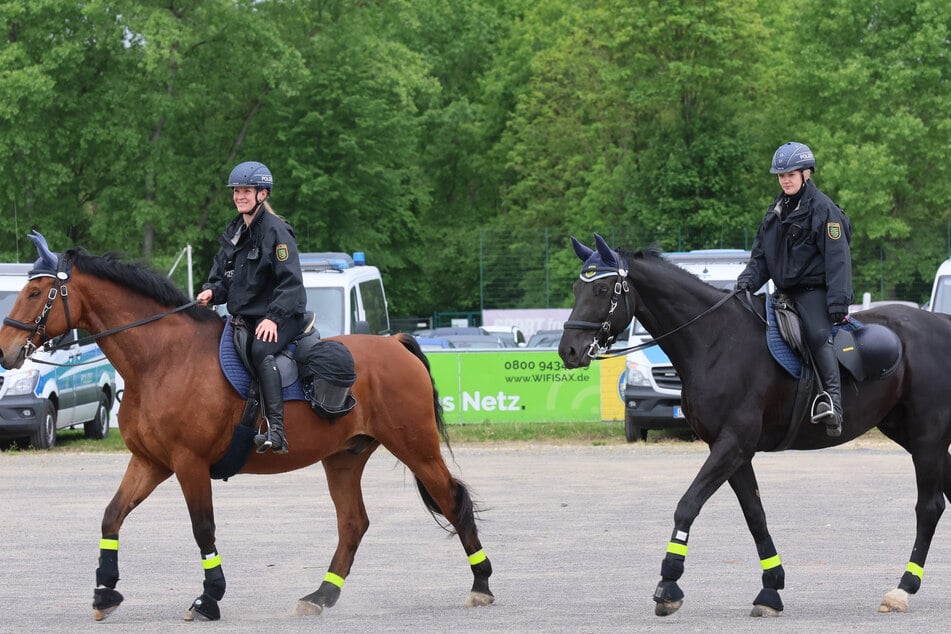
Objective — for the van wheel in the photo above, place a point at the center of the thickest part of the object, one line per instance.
(98, 427)
(632, 432)
(45, 435)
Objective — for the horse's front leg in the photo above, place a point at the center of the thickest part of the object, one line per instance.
(140, 479)
(767, 602)
(195, 480)
(724, 459)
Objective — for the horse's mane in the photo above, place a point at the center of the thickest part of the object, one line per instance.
(136, 277)
(654, 254)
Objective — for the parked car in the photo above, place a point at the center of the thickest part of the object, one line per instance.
(544, 339)
(511, 336)
(433, 343)
(475, 341)
(74, 385)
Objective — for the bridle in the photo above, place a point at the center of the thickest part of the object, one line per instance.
(603, 338)
(598, 348)
(38, 327)
(60, 289)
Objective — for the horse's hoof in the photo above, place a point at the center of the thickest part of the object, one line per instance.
(666, 608)
(101, 614)
(478, 600)
(105, 601)
(765, 610)
(895, 601)
(204, 608)
(306, 608)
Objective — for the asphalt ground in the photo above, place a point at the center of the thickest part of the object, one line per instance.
(575, 534)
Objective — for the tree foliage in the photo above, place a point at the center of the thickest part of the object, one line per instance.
(444, 138)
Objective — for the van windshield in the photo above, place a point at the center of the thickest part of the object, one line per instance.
(941, 302)
(327, 303)
(7, 299)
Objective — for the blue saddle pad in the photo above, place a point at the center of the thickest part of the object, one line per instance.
(782, 352)
(238, 375)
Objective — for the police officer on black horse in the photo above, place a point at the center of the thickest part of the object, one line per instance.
(803, 246)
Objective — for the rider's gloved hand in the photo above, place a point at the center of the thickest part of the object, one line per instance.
(837, 318)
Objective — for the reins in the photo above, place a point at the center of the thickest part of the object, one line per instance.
(650, 342)
(38, 328)
(599, 345)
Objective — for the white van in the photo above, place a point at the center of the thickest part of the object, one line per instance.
(941, 290)
(75, 386)
(346, 294)
(651, 384)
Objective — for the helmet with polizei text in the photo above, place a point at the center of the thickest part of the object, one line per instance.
(251, 174)
(792, 156)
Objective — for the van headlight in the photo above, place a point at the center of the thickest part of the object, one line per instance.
(636, 376)
(22, 382)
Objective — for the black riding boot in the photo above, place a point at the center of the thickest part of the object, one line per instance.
(272, 398)
(828, 410)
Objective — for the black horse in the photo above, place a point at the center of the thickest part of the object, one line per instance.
(738, 400)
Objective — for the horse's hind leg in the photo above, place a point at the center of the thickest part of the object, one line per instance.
(445, 495)
(140, 479)
(344, 471)
(930, 475)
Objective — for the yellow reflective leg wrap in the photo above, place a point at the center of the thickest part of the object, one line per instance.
(915, 569)
(109, 544)
(771, 562)
(477, 557)
(211, 560)
(337, 580)
(677, 549)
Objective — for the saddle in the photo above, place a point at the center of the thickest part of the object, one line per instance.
(312, 369)
(867, 351)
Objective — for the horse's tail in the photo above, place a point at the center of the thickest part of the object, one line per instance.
(410, 343)
(465, 509)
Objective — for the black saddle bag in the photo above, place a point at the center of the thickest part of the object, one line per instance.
(326, 373)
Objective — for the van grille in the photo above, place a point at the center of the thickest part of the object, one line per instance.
(666, 376)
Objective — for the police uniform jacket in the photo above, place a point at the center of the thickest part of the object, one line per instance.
(257, 269)
(804, 247)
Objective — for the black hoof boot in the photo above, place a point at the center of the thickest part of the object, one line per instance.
(204, 608)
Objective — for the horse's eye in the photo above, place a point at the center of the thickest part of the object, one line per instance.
(34, 293)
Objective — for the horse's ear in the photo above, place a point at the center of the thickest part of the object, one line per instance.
(607, 254)
(581, 250)
(48, 261)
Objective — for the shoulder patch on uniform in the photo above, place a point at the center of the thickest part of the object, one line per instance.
(834, 229)
(281, 252)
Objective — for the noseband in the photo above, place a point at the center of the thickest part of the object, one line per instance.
(603, 338)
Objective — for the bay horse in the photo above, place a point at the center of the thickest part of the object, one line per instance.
(178, 413)
(738, 400)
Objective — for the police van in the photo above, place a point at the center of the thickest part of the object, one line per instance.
(72, 386)
(941, 290)
(651, 384)
(346, 294)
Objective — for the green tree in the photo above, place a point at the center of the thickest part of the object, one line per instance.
(872, 94)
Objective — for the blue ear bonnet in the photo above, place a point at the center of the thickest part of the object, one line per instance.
(603, 262)
(47, 265)
(595, 268)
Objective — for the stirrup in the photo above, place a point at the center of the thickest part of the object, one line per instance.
(822, 407)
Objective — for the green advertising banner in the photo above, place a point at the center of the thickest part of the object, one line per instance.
(516, 386)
